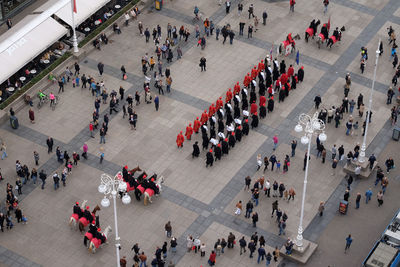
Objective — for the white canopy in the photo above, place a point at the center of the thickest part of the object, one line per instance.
(84, 8)
(20, 52)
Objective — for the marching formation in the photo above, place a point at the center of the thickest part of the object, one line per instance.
(224, 125)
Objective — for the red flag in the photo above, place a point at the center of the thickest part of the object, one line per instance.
(329, 23)
(75, 11)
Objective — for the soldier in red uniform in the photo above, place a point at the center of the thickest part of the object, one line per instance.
(253, 108)
(254, 73)
(290, 71)
(236, 89)
(284, 78)
(179, 140)
(263, 99)
(247, 80)
(189, 132)
(204, 117)
(229, 95)
(219, 103)
(211, 110)
(261, 66)
(196, 125)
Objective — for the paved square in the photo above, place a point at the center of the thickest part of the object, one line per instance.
(199, 201)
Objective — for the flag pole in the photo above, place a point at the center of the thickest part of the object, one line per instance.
(74, 39)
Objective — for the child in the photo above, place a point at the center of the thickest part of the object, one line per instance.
(9, 222)
(77, 81)
(69, 166)
(101, 155)
(64, 176)
(286, 195)
(278, 166)
(24, 219)
(73, 83)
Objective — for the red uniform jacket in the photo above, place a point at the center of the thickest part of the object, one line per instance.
(263, 99)
(290, 72)
(253, 108)
(196, 125)
(189, 132)
(229, 96)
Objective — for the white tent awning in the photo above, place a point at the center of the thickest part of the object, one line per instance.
(84, 8)
(29, 46)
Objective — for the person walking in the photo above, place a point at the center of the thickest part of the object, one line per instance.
(334, 166)
(326, 3)
(275, 140)
(254, 218)
(317, 101)
(249, 209)
(349, 240)
(4, 151)
(100, 67)
(50, 144)
(168, 229)
(274, 207)
(293, 146)
(292, 3)
(380, 198)
(358, 199)
(321, 208)
(242, 244)
(156, 102)
(261, 254)
(264, 17)
(102, 136)
(43, 177)
(31, 114)
(203, 63)
(36, 157)
(368, 195)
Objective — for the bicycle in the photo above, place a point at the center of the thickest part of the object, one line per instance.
(56, 99)
(42, 101)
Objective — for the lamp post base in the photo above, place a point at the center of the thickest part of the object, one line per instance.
(300, 254)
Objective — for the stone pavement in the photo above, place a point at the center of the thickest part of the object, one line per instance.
(198, 201)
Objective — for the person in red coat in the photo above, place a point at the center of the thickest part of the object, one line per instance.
(211, 110)
(211, 260)
(261, 66)
(196, 125)
(254, 73)
(236, 89)
(263, 99)
(253, 108)
(219, 103)
(247, 80)
(179, 140)
(278, 85)
(270, 91)
(284, 78)
(229, 95)
(189, 132)
(290, 71)
(204, 117)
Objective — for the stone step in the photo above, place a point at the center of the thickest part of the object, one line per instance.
(298, 255)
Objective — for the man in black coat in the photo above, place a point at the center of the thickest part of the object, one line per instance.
(271, 104)
(254, 121)
(245, 126)
(232, 140)
(300, 74)
(218, 152)
(209, 158)
(225, 146)
(50, 144)
(238, 133)
(196, 150)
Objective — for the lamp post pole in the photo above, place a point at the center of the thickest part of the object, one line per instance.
(74, 39)
(311, 125)
(299, 241)
(117, 238)
(109, 186)
(362, 157)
